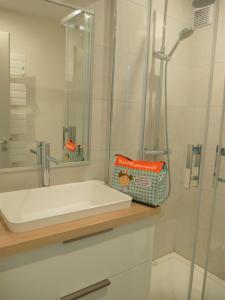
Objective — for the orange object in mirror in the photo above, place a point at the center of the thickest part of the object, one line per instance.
(70, 146)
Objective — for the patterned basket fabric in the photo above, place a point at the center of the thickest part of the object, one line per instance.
(76, 156)
(145, 181)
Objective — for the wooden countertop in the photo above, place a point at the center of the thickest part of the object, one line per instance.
(12, 243)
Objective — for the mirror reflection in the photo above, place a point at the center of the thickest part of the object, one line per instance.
(45, 82)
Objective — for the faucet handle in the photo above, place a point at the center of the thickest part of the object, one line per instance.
(37, 151)
(38, 146)
(33, 151)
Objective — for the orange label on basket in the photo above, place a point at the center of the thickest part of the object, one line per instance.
(142, 165)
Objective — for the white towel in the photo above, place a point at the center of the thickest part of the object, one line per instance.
(18, 94)
(18, 114)
(17, 87)
(16, 72)
(18, 101)
(18, 126)
(18, 122)
(17, 57)
(18, 151)
(17, 64)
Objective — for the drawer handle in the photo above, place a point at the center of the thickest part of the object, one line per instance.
(86, 236)
(88, 290)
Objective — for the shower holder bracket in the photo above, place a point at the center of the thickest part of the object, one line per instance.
(161, 55)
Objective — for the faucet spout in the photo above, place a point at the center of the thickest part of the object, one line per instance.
(45, 159)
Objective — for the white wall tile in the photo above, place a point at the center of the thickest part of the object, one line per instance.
(101, 73)
(100, 124)
(129, 74)
(102, 22)
(126, 129)
(131, 26)
(218, 84)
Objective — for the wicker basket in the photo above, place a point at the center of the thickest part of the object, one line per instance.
(144, 181)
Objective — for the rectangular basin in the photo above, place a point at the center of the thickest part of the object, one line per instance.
(36, 208)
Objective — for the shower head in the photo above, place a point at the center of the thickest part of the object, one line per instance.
(185, 33)
(202, 3)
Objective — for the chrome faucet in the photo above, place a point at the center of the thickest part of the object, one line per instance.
(44, 158)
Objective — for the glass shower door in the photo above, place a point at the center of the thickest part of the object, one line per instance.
(215, 267)
(188, 94)
(212, 215)
(214, 281)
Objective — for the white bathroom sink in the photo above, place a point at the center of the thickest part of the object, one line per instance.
(35, 208)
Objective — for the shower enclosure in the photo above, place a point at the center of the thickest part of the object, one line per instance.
(168, 104)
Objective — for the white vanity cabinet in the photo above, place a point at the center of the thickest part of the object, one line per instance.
(118, 262)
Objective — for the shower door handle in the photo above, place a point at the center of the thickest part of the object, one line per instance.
(193, 166)
(220, 151)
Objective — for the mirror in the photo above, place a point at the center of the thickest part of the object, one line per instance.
(45, 81)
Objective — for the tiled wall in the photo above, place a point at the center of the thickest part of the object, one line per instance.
(100, 111)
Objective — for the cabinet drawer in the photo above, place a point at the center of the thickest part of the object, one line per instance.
(52, 272)
(102, 256)
(133, 284)
(30, 276)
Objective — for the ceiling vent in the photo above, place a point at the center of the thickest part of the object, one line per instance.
(203, 16)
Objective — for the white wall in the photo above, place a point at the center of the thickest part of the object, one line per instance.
(127, 123)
